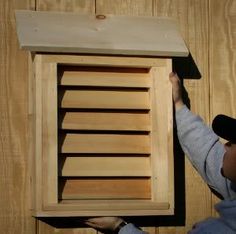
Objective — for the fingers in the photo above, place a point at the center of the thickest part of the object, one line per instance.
(91, 224)
(174, 77)
(172, 74)
(103, 223)
(176, 90)
(94, 222)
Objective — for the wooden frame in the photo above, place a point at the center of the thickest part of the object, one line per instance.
(146, 152)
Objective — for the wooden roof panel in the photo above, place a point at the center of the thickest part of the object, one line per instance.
(75, 33)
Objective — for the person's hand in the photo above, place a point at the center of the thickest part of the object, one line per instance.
(104, 223)
(176, 90)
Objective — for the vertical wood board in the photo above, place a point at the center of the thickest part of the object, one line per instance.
(49, 131)
(222, 57)
(15, 215)
(82, 6)
(192, 17)
(162, 136)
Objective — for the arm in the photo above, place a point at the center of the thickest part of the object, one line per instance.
(200, 143)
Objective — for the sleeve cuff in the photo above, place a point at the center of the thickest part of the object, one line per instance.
(131, 229)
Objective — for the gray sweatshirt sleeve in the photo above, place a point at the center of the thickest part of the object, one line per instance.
(131, 229)
(201, 145)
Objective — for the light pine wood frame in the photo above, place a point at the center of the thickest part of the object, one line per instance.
(45, 183)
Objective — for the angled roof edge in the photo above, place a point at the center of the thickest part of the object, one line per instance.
(60, 32)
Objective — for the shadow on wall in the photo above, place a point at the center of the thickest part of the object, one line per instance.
(186, 69)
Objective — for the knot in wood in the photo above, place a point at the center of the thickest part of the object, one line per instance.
(101, 17)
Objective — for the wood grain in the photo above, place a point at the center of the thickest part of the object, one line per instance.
(105, 143)
(107, 62)
(81, 6)
(222, 60)
(84, 6)
(105, 208)
(223, 71)
(15, 198)
(126, 7)
(100, 99)
(105, 166)
(105, 79)
(49, 130)
(162, 135)
(192, 17)
(105, 188)
(194, 25)
(87, 34)
(119, 121)
(105, 99)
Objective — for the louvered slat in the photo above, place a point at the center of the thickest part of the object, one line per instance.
(120, 188)
(106, 121)
(105, 79)
(115, 99)
(105, 166)
(106, 143)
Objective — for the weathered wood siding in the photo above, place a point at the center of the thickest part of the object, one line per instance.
(209, 29)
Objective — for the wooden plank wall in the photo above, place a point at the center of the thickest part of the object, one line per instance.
(209, 29)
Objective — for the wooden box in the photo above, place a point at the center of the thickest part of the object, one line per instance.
(102, 130)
